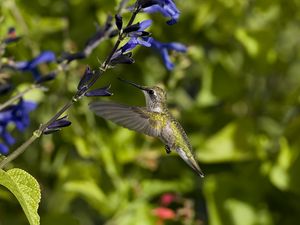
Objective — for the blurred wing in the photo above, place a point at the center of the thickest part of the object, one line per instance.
(131, 117)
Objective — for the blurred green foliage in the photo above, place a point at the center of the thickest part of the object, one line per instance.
(236, 93)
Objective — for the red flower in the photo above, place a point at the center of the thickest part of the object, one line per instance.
(164, 213)
(167, 199)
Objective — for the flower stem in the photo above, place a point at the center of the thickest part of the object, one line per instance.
(104, 66)
(36, 134)
(18, 96)
(122, 6)
(18, 151)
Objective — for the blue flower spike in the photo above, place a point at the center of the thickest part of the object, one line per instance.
(17, 114)
(5, 136)
(3, 149)
(137, 37)
(166, 7)
(164, 48)
(20, 114)
(31, 66)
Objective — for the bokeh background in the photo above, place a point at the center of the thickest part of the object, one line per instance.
(236, 93)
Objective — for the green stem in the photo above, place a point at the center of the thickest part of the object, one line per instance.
(18, 151)
(36, 135)
(55, 117)
(18, 96)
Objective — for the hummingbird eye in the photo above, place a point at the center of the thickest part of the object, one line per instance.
(150, 92)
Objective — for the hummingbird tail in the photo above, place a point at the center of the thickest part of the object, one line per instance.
(199, 171)
(190, 161)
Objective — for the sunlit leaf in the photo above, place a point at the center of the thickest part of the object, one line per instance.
(222, 147)
(26, 189)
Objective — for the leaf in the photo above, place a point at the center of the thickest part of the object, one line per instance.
(238, 201)
(281, 173)
(228, 145)
(136, 213)
(90, 191)
(50, 24)
(155, 187)
(26, 189)
(250, 44)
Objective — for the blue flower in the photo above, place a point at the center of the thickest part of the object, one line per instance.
(31, 66)
(5, 118)
(20, 114)
(164, 48)
(167, 8)
(17, 114)
(3, 149)
(136, 37)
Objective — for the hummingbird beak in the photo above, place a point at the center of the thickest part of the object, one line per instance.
(133, 84)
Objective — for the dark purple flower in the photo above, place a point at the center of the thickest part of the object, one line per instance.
(136, 37)
(86, 78)
(5, 88)
(11, 36)
(147, 3)
(46, 78)
(31, 66)
(93, 42)
(164, 48)
(167, 8)
(57, 125)
(104, 91)
(121, 58)
(69, 57)
(119, 21)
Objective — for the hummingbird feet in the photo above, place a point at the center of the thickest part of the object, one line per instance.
(168, 149)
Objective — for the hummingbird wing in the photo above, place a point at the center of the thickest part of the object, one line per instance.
(132, 117)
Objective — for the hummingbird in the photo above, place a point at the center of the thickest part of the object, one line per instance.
(153, 120)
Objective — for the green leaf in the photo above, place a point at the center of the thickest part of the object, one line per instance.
(26, 189)
(250, 44)
(228, 145)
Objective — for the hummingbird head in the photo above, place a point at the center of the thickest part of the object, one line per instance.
(155, 96)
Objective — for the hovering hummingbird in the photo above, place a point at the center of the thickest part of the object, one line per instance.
(154, 120)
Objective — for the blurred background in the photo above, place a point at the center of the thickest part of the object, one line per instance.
(236, 93)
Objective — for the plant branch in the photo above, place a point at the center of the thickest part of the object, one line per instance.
(18, 96)
(78, 95)
(18, 151)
